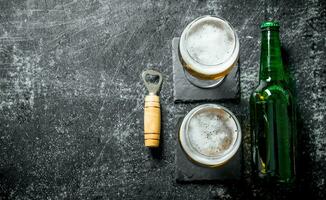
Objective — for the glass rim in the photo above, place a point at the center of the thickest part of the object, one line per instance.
(205, 159)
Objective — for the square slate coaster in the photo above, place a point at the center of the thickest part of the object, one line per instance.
(184, 91)
(188, 171)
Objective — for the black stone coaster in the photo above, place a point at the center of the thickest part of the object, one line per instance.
(184, 91)
(188, 171)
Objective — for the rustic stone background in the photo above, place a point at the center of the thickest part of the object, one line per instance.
(71, 97)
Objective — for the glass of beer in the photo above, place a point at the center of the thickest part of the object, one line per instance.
(208, 50)
(210, 135)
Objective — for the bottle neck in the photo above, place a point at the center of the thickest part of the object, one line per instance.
(271, 65)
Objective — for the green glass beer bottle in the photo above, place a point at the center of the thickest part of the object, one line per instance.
(272, 114)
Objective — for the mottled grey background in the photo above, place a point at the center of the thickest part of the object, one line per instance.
(71, 98)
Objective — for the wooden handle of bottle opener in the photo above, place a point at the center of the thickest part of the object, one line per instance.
(152, 121)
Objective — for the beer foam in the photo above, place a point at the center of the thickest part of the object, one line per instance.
(209, 134)
(209, 46)
(210, 41)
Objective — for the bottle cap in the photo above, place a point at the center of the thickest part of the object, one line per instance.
(269, 24)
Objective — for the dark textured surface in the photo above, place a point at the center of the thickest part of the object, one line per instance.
(189, 171)
(71, 100)
(184, 91)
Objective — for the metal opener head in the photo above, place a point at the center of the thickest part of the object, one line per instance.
(152, 87)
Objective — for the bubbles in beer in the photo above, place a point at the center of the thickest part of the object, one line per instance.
(210, 42)
(209, 134)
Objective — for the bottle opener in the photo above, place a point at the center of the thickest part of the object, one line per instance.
(152, 110)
